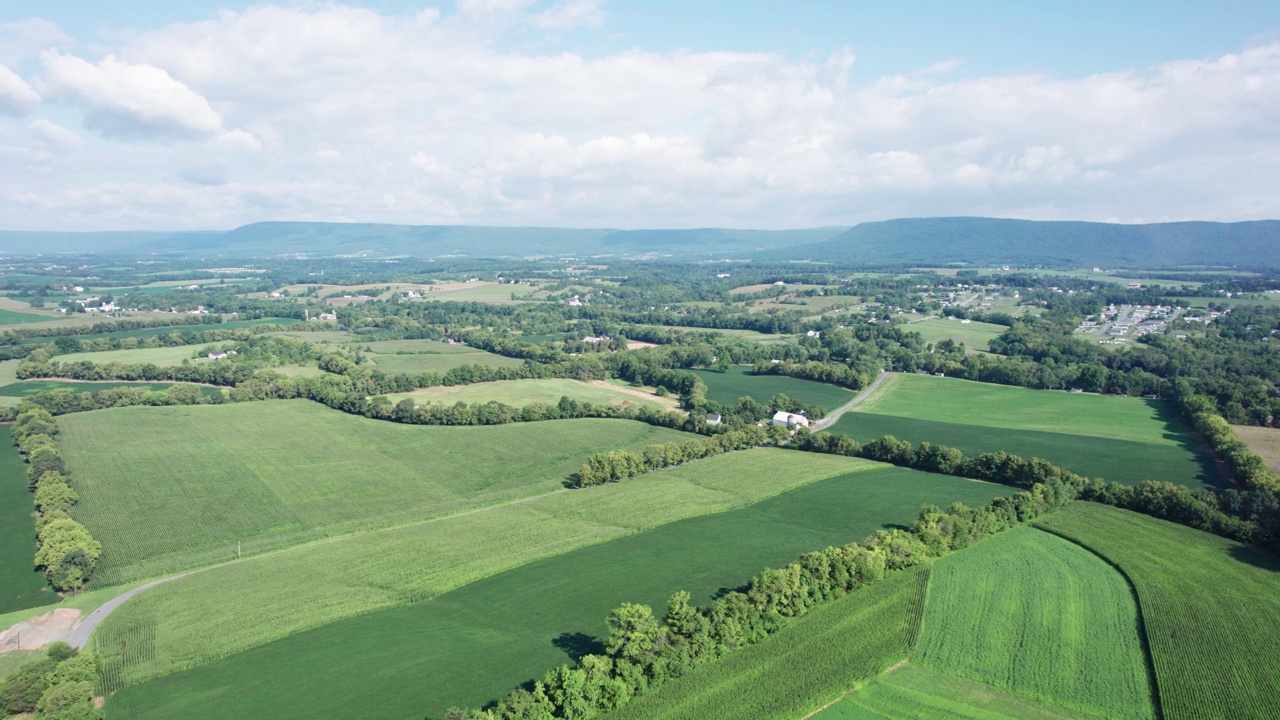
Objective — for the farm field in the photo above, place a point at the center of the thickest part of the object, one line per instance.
(527, 392)
(156, 331)
(801, 668)
(11, 317)
(973, 334)
(271, 474)
(916, 693)
(161, 356)
(233, 608)
(480, 640)
(1123, 439)
(1263, 441)
(415, 356)
(21, 586)
(1211, 608)
(727, 387)
(1034, 614)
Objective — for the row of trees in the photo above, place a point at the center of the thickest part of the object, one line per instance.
(67, 552)
(616, 465)
(642, 651)
(58, 686)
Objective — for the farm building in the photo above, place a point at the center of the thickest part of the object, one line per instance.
(714, 419)
(785, 418)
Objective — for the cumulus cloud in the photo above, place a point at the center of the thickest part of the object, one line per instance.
(55, 136)
(16, 96)
(129, 100)
(334, 112)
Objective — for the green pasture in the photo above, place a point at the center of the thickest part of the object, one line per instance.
(917, 693)
(1123, 439)
(416, 356)
(21, 586)
(796, 671)
(1031, 613)
(10, 317)
(486, 637)
(25, 388)
(1210, 606)
(166, 488)
(237, 607)
(973, 334)
(527, 392)
(161, 356)
(727, 387)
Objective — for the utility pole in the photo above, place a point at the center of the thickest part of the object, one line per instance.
(237, 549)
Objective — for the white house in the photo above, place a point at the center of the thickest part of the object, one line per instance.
(785, 418)
(714, 419)
(812, 333)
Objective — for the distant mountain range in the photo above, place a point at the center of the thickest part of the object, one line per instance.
(915, 241)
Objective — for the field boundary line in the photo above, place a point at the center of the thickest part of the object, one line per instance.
(830, 420)
(897, 666)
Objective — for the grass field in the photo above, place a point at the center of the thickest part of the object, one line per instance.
(973, 334)
(836, 647)
(240, 606)
(527, 392)
(161, 356)
(20, 585)
(480, 640)
(1034, 614)
(9, 317)
(1117, 438)
(175, 487)
(1263, 441)
(415, 356)
(727, 387)
(1211, 609)
(917, 693)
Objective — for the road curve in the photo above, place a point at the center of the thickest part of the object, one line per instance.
(830, 420)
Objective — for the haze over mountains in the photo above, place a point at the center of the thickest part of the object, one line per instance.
(911, 241)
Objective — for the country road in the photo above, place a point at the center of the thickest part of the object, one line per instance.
(830, 420)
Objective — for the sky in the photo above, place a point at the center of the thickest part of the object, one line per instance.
(150, 115)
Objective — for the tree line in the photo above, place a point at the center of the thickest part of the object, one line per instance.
(67, 553)
(643, 651)
(615, 465)
(60, 685)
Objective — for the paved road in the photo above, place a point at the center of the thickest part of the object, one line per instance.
(831, 419)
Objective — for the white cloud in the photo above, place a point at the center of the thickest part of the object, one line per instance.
(23, 39)
(129, 99)
(16, 96)
(55, 136)
(332, 112)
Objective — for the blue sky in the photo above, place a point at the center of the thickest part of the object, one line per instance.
(154, 114)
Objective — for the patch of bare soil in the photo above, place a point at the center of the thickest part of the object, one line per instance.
(39, 631)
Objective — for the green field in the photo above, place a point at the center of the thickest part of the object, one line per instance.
(179, 486)
(917, 693)
(727, 387)
(240, 606)
(794, 672)
(1210, 606)
(25, 388)
(1037, 615)
(482, 639)
(416, 356)
(21, 586)
(527, 392)
(161, 356)
(973, 334)
(1117, 438)
(9, 317)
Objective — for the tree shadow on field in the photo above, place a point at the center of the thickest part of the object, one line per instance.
(576, 645)
(1256, 557)
(726, 590)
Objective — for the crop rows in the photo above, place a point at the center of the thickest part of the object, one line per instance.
(1211, 608)
(1035, 614)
